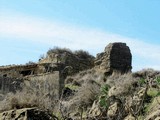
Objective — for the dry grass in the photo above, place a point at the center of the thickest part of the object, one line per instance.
(122, 84)
(82, 100)
(39, 93)
(147, 73)
(84, 76)
(87, 92)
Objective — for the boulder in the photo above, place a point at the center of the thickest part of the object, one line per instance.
(112, 110)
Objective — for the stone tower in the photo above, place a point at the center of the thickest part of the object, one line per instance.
(116, 58)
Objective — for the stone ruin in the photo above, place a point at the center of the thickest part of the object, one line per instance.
(57, 68)
(115, 58)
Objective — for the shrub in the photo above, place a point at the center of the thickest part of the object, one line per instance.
(84, 97)
(152, 92)
(83, 54)
(124, 84)
(58, 50)
(158, 80)
(145, 73)
(30, 63)
(104, 96)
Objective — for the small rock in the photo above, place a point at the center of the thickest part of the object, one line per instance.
(129, 117)
(112, 110)
(95, 110)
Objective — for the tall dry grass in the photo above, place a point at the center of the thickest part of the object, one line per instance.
(42, 92)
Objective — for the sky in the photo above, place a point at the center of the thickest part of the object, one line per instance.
(29, 28)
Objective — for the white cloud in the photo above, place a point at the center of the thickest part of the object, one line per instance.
(74, 37)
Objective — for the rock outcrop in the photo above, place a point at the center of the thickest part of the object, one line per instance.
(116, 58)
(27, 114)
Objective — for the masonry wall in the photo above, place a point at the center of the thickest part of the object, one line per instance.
(10, 85)
(47, 82)
(115, 58)
(18, 71)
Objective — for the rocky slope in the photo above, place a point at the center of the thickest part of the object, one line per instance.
(105, 90)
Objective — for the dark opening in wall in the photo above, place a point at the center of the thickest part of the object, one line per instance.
(5, 75)
(26, 72)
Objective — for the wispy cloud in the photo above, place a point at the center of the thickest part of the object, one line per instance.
(75, 37)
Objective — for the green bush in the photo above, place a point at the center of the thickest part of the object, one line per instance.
(142, 81)
(153, 92)
(104, 96)
(158, 80)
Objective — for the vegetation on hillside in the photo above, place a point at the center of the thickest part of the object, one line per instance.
(114, 97)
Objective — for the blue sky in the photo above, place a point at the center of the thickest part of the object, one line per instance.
(28, 28)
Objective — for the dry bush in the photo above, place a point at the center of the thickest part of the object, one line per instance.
(147, 73)
(30, 63)
(88, 88)
(83, 54)
(84, 97)
(123, 84)
(37, 93)
(84, 76)
(79, 53)
(25, 99)
(89, 82)
(58, 50)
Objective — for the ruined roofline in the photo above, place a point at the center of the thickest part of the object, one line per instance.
(7, 67)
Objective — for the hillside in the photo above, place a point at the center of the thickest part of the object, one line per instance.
(74, 85)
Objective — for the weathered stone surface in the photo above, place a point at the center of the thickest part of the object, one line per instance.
(129, 117)
(78, 63)
(154, 111)
(27, 114)
(10, 85)
(18, 71)
(154, 116)
(112, 110)
(47, 80)
(116, 58)
(95, 110)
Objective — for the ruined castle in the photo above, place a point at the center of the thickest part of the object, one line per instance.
(115, 58)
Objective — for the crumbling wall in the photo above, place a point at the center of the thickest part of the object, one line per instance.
(46, 82)
(78, 63)
(115, 58)
(10, 85)
(18, 71)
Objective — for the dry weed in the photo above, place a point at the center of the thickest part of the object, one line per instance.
(37, 93)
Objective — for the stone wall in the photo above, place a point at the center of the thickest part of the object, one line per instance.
(18, 71)
(78, 63)
(115, 58)
(47, 82)
(10, 85)
(57, 66)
